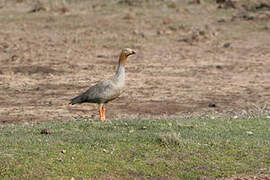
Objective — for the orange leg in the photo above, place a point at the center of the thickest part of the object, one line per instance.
(103, 113)
(100, 113)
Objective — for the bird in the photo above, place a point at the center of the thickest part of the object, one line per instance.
(106, 90)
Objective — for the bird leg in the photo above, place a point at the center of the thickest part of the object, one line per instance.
(100, 113)
(103, 113)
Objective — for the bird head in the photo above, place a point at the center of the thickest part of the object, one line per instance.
(124, 54)
(127, 52)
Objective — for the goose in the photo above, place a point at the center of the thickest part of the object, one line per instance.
(106, 90)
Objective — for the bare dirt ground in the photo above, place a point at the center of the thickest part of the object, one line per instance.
(191, 56)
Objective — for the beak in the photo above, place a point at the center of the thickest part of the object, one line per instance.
(133, 52)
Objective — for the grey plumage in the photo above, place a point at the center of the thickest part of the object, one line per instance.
(102, 92)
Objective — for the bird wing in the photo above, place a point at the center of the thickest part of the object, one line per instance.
(101, 92)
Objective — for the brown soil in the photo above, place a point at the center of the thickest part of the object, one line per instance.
(189, 55)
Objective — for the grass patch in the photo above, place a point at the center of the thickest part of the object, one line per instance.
(184, 147)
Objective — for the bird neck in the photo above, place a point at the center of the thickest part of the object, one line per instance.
(122, 59)
(120, 71)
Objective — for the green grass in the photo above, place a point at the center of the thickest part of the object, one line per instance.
(176, 148)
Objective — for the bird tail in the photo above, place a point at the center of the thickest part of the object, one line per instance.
(77, 100)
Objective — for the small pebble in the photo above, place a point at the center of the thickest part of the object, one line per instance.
(226, 45)
(131, 131)
(101, 56)
(143, 128)
(212, 105)
(221, 20)
(46, 131)
(219, 67)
